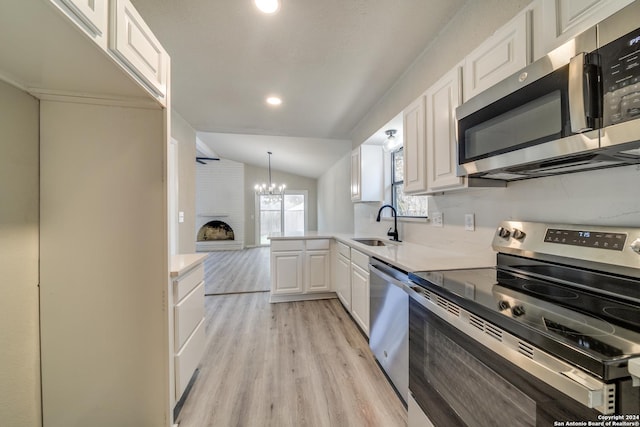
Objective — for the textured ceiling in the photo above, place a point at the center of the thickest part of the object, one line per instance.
(330, 61)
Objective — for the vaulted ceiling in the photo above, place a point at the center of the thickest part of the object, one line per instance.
(329, 60)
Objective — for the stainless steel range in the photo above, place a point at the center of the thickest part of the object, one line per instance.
(552, 334)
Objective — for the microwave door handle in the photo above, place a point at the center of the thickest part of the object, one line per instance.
(577, 84)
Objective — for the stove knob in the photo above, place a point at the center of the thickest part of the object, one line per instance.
(518, 234)
(503, 305)
(518, 311)
(503, 232)
(635, 246)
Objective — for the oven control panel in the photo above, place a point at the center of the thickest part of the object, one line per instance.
(615, 249)
(587, 238)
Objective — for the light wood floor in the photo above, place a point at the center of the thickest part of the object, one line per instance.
(228, 272)
(287, 364)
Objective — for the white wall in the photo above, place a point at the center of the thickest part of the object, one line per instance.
(335, 210)
(19, 228)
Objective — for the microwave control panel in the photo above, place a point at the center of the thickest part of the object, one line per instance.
(621, 78)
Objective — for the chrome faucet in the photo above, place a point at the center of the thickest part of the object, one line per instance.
(393, 232)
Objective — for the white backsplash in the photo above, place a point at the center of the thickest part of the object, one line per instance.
(602, 197)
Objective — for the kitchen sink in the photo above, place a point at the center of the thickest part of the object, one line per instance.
(371, 242)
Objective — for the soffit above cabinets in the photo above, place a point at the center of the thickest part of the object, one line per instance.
(43, 52)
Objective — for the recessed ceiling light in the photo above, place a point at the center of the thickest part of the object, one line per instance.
(268, 6)
(274, 100)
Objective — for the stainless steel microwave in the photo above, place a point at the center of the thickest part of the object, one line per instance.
(577, 108)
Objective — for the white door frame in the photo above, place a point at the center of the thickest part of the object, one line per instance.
(173, 203)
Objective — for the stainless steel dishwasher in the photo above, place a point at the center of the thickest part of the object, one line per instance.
(389, 322)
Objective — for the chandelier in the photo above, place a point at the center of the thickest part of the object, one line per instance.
(271, 190)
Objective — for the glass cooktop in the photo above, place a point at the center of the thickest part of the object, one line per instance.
(580, 325)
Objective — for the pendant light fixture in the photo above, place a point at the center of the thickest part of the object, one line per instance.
(271, 190)
(391, 143)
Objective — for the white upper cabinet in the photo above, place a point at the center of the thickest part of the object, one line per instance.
(502, 54)
(356, 193)
(413, 131)
(560, 20)
(442, 99)
(367, 173)
(132, 42)
(90, 15)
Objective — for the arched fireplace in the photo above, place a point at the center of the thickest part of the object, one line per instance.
(215, 231)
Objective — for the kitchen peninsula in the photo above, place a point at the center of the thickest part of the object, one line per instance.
(319, 265)
(404, 255)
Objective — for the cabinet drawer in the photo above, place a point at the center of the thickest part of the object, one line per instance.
(344, 250)
(287, 245)
(184, 284)
(318, 244)
(360, 259)
(187, 360)
(188, 313)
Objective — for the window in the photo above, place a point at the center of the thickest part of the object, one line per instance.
(411, 206)
(286, 213)
(270, 217)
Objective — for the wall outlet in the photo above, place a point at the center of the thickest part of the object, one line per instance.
(437, 219)
(469, 222)
(181, 216)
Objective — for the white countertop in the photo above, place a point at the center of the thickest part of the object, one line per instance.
(184, 262)
(404, 255)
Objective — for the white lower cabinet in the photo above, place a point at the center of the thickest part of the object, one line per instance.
(300, 269)
(317, 267)
(188, 359)
(360, 289)
(286, 272)
(343, 278)
(188, 326)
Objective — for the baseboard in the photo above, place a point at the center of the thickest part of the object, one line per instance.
(302, 297)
